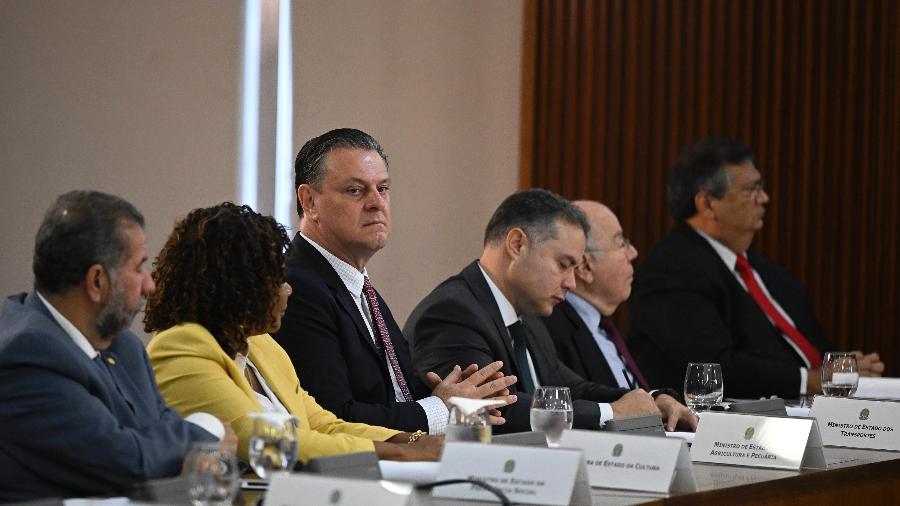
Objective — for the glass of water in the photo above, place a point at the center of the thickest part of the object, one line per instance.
(272, 446)
(473, 427)
(703, 386)
(840, 374)
(212, 474)
(551, 412)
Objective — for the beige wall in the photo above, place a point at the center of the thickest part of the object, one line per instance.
(141, 99)
(437, 82)
(130, 97)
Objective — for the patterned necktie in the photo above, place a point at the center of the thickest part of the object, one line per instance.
(382, 331)
(809, 352)
(607, 325)
(517, 332)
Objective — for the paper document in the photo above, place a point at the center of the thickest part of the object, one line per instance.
(410, 472)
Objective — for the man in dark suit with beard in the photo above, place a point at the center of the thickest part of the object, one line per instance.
(701, 296)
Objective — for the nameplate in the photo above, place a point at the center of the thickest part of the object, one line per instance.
(633, 462)
(758, 441)
(526, 475)
(858, 423)
(289, 489)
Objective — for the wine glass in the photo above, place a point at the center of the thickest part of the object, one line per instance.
(551, 412)
(703, 386)
(272, 446)
(212, 474)
(840, 374)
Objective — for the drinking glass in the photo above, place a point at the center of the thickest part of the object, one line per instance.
(212, 474)
(551, 412)
(272, 446)
(840, 374)
(474, 427)
(703, 386)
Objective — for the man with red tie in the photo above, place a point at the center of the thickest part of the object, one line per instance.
(701, 296)
(339, 333)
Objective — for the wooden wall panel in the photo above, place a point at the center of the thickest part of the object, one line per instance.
(618, 87)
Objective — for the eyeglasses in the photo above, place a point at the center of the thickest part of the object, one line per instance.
(622, 242)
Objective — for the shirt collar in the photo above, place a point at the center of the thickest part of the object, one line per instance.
(350, 276)
(585, 310)
(507, 311)
(70, 329)
(724, 253)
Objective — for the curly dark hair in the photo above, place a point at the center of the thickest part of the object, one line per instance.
(222, 268)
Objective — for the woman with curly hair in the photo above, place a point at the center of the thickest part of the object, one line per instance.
(219, 291)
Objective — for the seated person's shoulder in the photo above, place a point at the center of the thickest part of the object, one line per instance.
(186, 338)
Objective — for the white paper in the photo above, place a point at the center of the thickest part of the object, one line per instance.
(632, 462)
(312, 489)
(797, 411)
(758, 441)
(878, 388)
(469, 406)
(411, 472)
(687, 436)
(526, 475)
(858, 423)
(112, 501)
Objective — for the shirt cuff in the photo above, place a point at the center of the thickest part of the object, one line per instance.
(606, 413)
(804, 375)
(208, 423)
(437, 414)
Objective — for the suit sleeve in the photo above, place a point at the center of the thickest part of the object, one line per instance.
(193, 378)
(311, 337)
(64, 430)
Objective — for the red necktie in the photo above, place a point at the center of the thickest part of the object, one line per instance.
(607, 325)
(809, 352)
(382, 331)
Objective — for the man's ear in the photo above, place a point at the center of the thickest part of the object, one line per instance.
(307, 198)
(96, 283)
(584, 271)
(516, 243)
(703, 204)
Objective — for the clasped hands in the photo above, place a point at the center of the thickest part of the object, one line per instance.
(487, 382)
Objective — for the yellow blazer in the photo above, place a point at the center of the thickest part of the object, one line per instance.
(194, 374)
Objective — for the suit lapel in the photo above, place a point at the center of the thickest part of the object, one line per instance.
(479, 287)
(593, 362)
(302, 251)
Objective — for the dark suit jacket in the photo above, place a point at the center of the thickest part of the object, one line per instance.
(459, 323)
(687, 306)
(331, 348)
(67, 427)
(576, 347)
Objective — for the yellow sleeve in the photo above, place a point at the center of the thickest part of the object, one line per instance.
(194, 374)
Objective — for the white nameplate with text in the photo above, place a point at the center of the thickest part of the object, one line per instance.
(525, 474)
(758, 441)
(858, 423)
(633, 462)
(289, 489)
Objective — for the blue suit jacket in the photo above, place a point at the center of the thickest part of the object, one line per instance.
(69, 428)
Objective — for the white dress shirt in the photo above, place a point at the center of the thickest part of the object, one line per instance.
(205, 421)
(591, 318)
(508, 313)
(435, 409)
(730, 259)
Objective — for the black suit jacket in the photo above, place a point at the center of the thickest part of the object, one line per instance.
(333, 352)
(687, 306)
(459, 323)
(576, 347)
